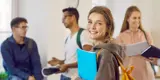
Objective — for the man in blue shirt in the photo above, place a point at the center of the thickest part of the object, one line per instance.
(21, 59)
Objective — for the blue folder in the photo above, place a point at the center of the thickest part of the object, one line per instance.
(87, 64)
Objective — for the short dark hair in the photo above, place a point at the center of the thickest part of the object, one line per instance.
(72, 11)
(15, 21)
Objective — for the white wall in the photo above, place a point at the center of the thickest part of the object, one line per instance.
(45, 25)
(84, 7)
(155, 28)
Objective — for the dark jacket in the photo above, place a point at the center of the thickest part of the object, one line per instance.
(21, 62)
(108, 66)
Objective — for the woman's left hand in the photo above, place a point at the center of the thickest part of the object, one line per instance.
(153, 60)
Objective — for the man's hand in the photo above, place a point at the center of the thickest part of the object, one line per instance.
(31, 78)
(63, 67)
(55, 61)
(153, 60)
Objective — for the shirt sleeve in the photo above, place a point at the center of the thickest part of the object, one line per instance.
(36, 63)
(149, 38)
(119, 40)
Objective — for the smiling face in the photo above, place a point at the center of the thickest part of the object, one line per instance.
(97, 26)
(134, 20)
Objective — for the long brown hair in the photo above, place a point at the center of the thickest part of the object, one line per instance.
(108, 18)
(130, 10)
(125, 25)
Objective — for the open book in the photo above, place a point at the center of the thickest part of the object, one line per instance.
(137, 48)
(144, 49)
(151, 51)
(87, 64)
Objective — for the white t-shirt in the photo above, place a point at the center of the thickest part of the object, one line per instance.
(70, 50)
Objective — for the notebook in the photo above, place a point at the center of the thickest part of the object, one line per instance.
(151, 51)
(87, 64)
(144, 49)
(137, 48)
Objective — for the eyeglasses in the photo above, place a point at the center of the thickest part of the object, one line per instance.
(23, 27)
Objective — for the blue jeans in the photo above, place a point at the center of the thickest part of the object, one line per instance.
(11, 77)
(65, 78)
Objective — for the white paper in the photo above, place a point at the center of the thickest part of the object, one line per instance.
(137, 48)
